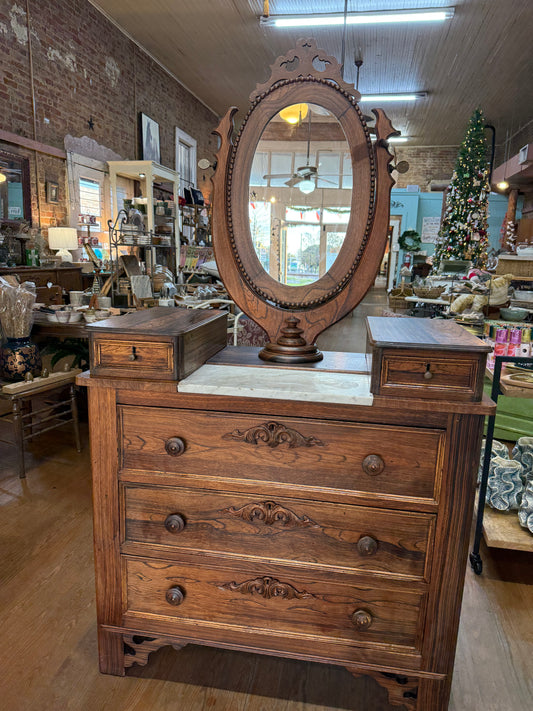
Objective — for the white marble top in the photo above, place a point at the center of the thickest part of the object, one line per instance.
(279, 384)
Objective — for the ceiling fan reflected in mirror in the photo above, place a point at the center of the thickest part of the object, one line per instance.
(304, 177)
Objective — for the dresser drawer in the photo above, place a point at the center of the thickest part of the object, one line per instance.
(280, 601)
(155, 344)
(321, 534)
(390, 460)
(134, 357)
(430, 376)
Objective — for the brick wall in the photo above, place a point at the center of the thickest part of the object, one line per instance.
(83, 68)
(425, 164)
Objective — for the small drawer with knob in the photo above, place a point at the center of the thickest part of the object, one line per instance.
(399, 462)
(155, 344)
(246, 596)
(425, 358)
(133, 357)
(319, 534)
(431, 375)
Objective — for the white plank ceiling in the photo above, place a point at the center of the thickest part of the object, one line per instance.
(481, 57)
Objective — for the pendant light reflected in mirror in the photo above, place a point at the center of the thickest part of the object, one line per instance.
(294, 114)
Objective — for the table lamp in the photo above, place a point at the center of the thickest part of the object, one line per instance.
(63, 239)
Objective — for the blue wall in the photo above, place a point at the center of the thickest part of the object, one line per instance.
(413, 207)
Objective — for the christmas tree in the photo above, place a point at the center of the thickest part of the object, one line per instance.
(463, 232)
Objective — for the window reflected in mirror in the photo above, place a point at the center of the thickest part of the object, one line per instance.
(301, 184)
(15, 200)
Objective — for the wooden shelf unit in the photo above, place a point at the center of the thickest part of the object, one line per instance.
(147, 173)
(502, 530)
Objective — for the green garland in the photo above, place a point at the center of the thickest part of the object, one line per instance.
(410, 241)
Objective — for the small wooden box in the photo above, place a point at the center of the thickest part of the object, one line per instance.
(156, 344)
(425, 358)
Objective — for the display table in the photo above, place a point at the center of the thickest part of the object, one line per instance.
(67, 277)
(54, 329)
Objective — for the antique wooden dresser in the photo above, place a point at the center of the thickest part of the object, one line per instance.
(298, 503)
(333, 528)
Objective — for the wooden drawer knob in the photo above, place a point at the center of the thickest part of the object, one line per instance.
(428, 374)
(367, 545)
(175, 595)
(373, 464)
(133, 354)
(362, 619)
(174, 446)
(174, 523)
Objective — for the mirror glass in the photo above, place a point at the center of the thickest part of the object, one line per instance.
(14, 188)
(300, 194)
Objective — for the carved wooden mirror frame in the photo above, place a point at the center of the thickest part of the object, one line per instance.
(294, 316)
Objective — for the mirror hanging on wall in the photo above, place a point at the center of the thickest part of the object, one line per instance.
(14, 188)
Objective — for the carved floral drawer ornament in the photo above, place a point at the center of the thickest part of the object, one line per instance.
(273, 434)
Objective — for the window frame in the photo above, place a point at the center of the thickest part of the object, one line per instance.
(184, 138)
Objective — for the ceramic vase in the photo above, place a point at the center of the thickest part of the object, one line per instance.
(498, 450)
(504, 486)
(523, 453)
(525, 512)
(19, 356)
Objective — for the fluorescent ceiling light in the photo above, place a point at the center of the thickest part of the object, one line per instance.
(359, 18)
(398, 139)
(394, 97)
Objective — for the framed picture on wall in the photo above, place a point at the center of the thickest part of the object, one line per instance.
(52, 192)
(150, 139)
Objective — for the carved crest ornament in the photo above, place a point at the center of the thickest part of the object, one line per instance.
(294, 316)
(267, 588)
(273, 434)
(270, 513)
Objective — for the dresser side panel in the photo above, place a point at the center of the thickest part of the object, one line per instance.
(109, 584)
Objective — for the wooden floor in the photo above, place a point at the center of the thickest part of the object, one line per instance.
(47, 614)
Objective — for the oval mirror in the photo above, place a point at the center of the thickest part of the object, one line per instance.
(300, 194)
(300, 227)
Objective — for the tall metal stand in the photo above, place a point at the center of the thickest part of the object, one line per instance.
(475, 558)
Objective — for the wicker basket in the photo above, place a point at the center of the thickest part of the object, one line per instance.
(397, 297)
(429, 292)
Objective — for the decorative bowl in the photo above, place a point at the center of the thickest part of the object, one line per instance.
(513, 314)
(90, 316)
